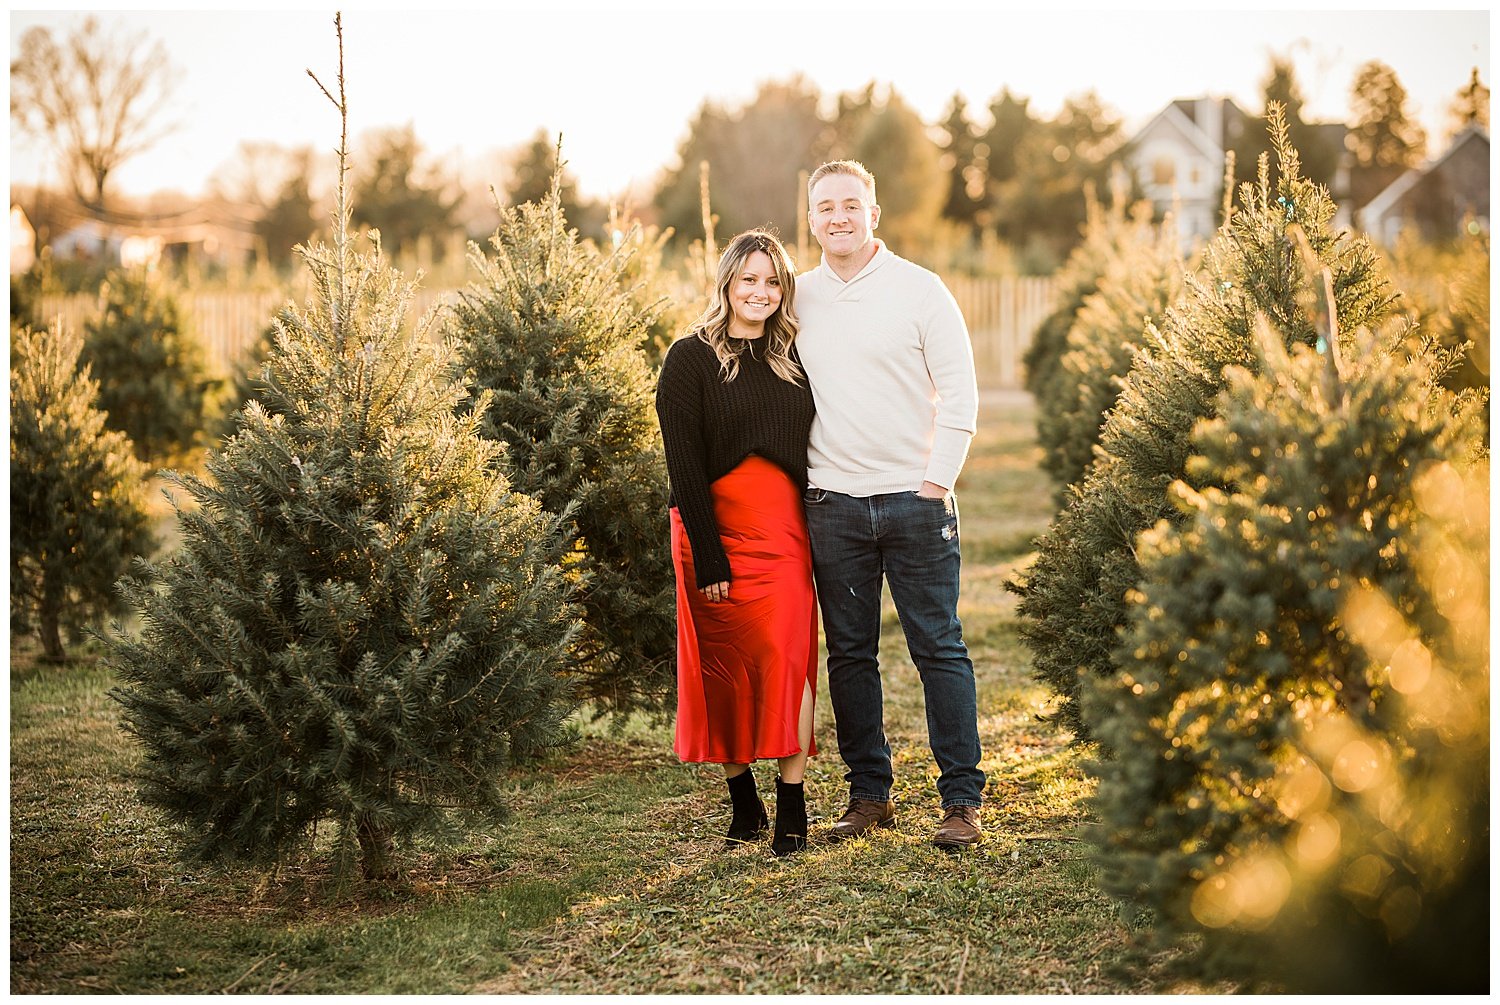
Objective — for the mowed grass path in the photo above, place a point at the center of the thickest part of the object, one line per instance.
(611, 875)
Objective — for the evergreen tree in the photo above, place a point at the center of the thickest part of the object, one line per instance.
(1445, 291)
(399, 196)
(1300, 712)
(551, 335)
(1040, 170)
(1011, 128)
(288, 220)
(960, 161)
(1107, 233)
(1382, 136)
(361, 626)
(531, 181)
(1114, 322)
(892, 141)
(77, 494)
(153, 371)
(1470, 106)
(1073, 597)
(1318, 155)
(756, 153)
(655, 290)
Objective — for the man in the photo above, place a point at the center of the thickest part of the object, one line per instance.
(888, 358)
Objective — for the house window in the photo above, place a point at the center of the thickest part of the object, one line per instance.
(1164, 171)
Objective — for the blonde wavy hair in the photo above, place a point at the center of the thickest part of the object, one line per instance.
(712, 325)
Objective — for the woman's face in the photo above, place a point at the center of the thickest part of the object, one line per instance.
(754, 295)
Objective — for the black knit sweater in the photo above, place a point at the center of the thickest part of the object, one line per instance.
(709, 426)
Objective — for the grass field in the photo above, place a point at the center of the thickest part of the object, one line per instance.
(611, 875)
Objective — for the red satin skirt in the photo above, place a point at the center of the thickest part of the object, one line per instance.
(742, 663)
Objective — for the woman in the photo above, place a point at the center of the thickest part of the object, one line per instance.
(735, 412)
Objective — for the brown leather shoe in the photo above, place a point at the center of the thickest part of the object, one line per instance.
(960, 828)
(862, 815)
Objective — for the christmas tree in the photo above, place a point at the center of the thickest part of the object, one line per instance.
(154, 378)
(1073, 597)
(549, 332)
(1300, 714)
(361, 626)
(77, 494)
(1105, 233)
(1139, 283)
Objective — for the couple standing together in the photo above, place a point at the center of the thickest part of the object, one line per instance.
(814, 428)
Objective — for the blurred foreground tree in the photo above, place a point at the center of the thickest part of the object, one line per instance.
(399, 195)
(77, 494)
(1383, 137)
(95, 96)
(1300, 719)
(361, 626)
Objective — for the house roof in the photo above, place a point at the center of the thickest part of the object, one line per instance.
(1183, 123)
(1392, 193)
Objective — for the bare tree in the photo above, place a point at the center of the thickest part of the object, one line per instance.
(94, 95)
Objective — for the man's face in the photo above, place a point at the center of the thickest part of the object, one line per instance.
(842, 215)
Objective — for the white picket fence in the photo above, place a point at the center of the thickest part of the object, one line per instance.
(1003, 313)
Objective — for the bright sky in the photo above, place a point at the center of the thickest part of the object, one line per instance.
(622, 80)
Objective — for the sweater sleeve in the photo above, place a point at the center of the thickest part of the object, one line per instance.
(950, 363)
(679, 410)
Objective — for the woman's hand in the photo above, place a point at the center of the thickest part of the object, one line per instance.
(716, 592)
(932, 490)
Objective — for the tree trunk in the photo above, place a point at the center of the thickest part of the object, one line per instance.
(377, 851)
(52, 647)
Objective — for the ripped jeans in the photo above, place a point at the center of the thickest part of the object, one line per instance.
(913, 543)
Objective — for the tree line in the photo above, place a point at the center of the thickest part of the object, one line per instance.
(1001, 175)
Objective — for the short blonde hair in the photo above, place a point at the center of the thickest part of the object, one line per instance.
(854, 168)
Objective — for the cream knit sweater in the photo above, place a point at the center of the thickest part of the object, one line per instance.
(892, 373)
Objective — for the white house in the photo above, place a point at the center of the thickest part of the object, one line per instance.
(1178, 160)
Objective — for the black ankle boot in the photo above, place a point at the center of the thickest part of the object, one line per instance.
(791, 819)
(749, 821)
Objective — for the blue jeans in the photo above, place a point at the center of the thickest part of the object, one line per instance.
(913, 543)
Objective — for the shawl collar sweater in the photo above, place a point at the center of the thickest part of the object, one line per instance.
(709, 426)
(892, 373)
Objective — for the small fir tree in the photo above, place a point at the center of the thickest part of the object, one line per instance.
(1106, 232)
(1300, 714)
(154, 377)
(1073, 596)
(1446, 292)
(656, 291)
(1138, 285)
(77, 494)
(551, 335)
(361, 625)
